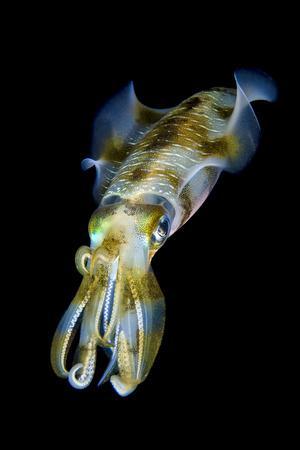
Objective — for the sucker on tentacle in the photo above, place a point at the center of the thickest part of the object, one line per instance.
(140, 323)
(86, 371)
(154, 169)
(66, 330)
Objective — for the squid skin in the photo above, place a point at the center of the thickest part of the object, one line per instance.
(154, 169)
(119, 302)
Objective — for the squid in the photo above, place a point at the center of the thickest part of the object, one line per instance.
(154, 169)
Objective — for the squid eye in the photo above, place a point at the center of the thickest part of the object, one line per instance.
(162, 231)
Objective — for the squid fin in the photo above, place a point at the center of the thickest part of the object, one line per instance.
(243, 127)
(234, 139)
(104, 173)
(120, 124)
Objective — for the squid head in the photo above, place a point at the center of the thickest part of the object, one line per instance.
(119, 303)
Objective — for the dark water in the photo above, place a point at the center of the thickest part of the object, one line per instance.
(224, 347)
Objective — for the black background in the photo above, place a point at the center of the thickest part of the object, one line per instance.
(225, 344)
(215, 272)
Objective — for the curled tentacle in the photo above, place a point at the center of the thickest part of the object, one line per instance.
(82, 259)
(67, 327)
(81, 374)
(69, 323)
(120, 303)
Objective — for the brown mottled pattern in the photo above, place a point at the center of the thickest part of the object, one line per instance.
(183, 138)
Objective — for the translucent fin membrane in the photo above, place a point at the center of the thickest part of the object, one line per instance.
(120, 124)
(256, 85)
(243, 124)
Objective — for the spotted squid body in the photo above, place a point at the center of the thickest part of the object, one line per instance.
(154, 169)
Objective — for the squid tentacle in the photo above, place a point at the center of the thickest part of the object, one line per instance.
(82, 259)
(140, 319)
(69, 323)
(99, 313)
(84, 369)
(113, 360)
(95, 318)
(67, 328)
(110, 325)
(82, 372)
(141, 328)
